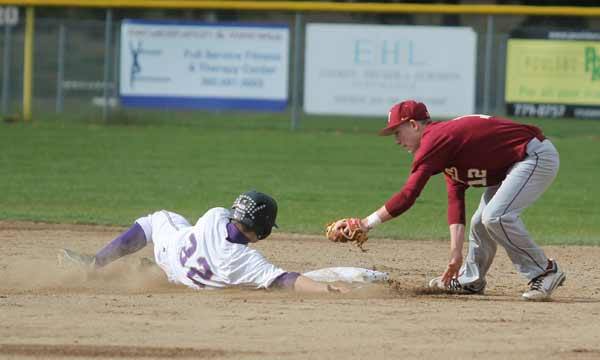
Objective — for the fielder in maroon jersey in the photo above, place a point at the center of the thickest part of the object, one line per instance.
(514, 162)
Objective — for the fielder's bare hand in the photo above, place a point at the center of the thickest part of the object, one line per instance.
(453, 268)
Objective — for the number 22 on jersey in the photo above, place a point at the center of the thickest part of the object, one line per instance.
(197, 271)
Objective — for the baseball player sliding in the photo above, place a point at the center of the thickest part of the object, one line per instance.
(514, 162)
(213, 253)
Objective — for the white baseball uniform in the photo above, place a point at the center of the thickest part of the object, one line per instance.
(204, 255)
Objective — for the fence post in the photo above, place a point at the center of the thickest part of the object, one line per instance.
(297, 71)
(117, 63)
(500, 106)
(107, 59)
(28, 63)
(6, 63)
(60, 73)
(487, 75)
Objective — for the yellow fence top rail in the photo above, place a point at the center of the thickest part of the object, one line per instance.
(320, 6)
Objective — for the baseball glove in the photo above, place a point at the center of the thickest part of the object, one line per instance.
(347, 230)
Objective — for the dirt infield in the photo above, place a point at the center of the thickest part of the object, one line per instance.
(126, 312)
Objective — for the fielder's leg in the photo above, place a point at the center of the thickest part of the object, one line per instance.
(482, 248)
(524, 184)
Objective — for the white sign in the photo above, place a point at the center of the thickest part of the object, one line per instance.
(204, 65)
(364, 69)
(9, 15)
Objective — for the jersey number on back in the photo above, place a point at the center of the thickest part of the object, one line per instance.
(475, 177)
(202, 270)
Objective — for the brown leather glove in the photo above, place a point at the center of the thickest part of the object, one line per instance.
(347, 230)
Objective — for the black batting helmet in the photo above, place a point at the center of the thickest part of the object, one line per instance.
(257, 211)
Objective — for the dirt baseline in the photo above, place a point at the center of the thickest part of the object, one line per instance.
(127, 312)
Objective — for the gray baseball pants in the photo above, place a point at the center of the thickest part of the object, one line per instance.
(497, 219)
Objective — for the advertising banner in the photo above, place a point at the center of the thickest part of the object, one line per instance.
(201, 65)
(554, 76)
(9, 15)
(364, 69)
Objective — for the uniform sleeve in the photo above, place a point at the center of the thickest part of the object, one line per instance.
(403, 200)
(287, 280)
(456, 201)
(431, 158)
(248, 267)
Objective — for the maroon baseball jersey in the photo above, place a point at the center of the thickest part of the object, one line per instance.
(472, 150)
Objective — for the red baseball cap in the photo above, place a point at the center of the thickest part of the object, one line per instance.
(402, 112)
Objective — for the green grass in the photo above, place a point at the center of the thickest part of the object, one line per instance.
(70, 170)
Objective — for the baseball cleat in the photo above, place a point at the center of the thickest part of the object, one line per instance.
(456, 287)
(542, 286)
(70, 257)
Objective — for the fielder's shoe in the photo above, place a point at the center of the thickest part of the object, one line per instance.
(542, 286)
(456, 287)
(70, 257)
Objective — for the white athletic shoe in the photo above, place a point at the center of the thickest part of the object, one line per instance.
(70, 257)
(456, 287)
(542, 286)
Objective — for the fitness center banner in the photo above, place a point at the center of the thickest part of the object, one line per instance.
(204, 65)
(553, 74)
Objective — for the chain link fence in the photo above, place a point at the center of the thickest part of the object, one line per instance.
(75, 73)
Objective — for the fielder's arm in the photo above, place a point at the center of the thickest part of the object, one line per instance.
(378, 217)
(457, 239)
